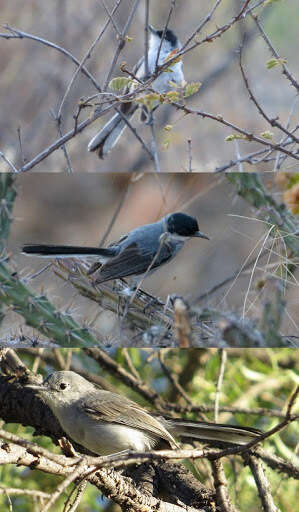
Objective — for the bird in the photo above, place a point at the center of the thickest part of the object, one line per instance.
(141, 251)
(108, 136)
(107, 423)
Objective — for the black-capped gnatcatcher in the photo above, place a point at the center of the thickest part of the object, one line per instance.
(108, 136)
(106, 423)
(141, 251)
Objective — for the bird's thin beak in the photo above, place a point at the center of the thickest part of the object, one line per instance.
(36, 387)
(199, 234)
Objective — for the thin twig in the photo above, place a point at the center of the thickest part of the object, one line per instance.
(154, 143)
(172, 6)
(271, 121)
(223, 359)
(189, 142)
(64, 149)
(9, 163)
(121, 44)
(85, 58)
(285, 71)
(220, 483)
(146, 37)
(19, 34)
(262, 484)
(116, 213)
(21, 145)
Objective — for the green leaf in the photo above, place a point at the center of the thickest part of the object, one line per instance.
(267, 135)
(235, 136)
(165, 144)
(294, 178)
(149, 100)
(172, 96)
(275, 62)
(192, 88)
(119, 83)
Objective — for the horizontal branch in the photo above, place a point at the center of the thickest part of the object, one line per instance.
(111, 483)
(144, 311)
(247, 136)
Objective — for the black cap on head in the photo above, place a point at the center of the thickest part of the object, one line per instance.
(168, 36)
(182, 224)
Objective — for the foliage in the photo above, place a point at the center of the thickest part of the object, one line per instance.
(260, 381)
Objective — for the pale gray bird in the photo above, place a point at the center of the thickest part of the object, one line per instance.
(148, 246)
(106, 423)
(108, 136)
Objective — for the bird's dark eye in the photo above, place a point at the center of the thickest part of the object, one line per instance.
(62, 385)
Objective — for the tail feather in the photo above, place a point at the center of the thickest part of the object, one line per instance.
(106, 139)
(212, 431)
(66, 251)
(109, 135)
(112, 138)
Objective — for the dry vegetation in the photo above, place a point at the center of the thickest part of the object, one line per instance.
(241, 286)
(37, 84)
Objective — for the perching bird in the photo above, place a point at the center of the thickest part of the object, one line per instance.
(106, 423)
(141, 251)
(108, 136)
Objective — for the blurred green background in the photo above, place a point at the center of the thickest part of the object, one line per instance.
(34, 79)
(253, 378)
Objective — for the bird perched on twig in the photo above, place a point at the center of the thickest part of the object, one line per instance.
(162, 44)
(139, 252)
(107, 423)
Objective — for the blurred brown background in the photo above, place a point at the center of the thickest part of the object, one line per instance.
(34, 78)
(56, 208)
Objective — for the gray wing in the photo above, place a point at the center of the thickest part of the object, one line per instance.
(95, 266)
(132, 262)
(113, 408)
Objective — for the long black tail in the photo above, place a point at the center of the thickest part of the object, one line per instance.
(66, 251)
(220, 432)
